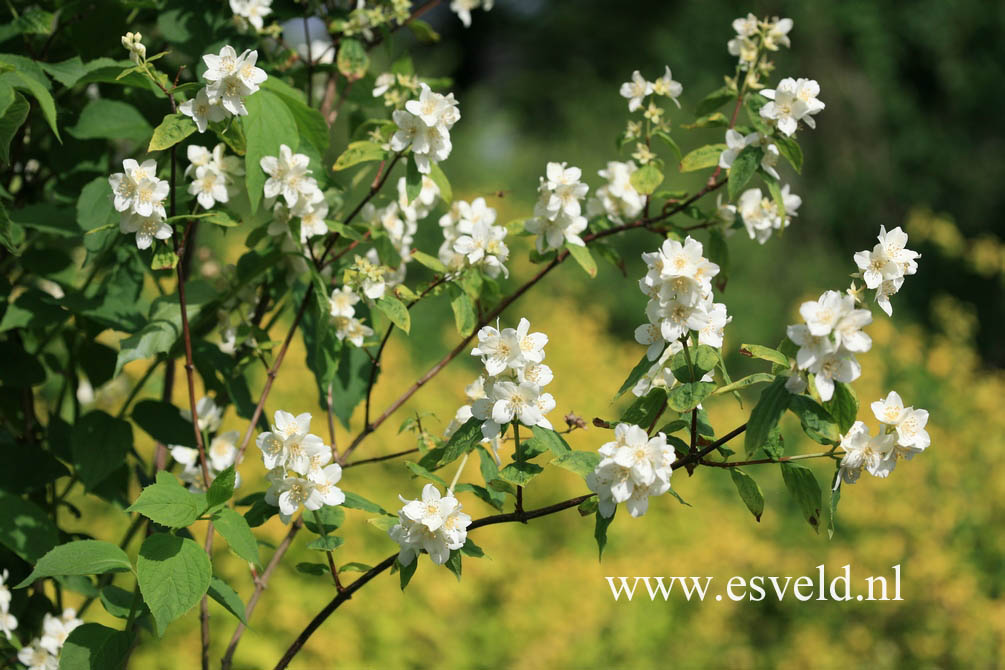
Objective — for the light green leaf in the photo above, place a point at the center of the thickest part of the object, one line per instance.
(413, 180)
(552, 440)
(789, 148)
(268, 125)
(329, 543)
(702, 157)
(765, 353)
(39, 91)
(352, 60)
(82, 557)
(749, 380)
(580, 462)
(441, 181)
(111, 120)
(520, 474)
(356, 501)
(168, 503)
(640, 369)
(583, 257)
(359, 152)
(172, 130)
(420, 471)
(221, 592)
(687, 396)
(236, 531)
(646, 179)
(396, 311)
(430, 262)
(464, 312)
(310, 123)
(173, 573)
(743, 168)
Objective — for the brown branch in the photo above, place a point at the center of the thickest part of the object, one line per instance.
(695, 457)
(260, 584)
(377, 459)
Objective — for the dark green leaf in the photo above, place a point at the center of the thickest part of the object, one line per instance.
(749, 491)
(173, 573)
(765, 415)
(743, 168)
(221, 592)
(600, 532)
(817, 422)
(406, 571)
(95, 647)
(520, 474)
(843, 406)
(714, 101)
(111, 120)
(685, 397)
(644, 410)
(803, 486)
(82, 557)
(100, 444)
(163, 422)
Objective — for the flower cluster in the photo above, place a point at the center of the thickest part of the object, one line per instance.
(679, 286)
(251, 11)
(902, 435)
(752, 35)
(222, 453)
(638, 89)
(794, 100)
(290, 177)
(299, 473)
(343, 312)
(425, 125)
(435, 524)
(43, 653)
(617, 199)
(735, 143)
(634, 466)
(8, 622)
(231, 79)
(463, 8)
(828, 341)
(558, 216)
(471, 238)
(762, 214)
(396, 88)
(213, 174)
(132, 43)
(138, 196)
(884, 268)
(514, 376)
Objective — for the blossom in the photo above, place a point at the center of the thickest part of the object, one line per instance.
(137, 52)
(862, 451)
(342, 302)
(635, 90)
(288, 493)
(209, 187)
(146, 228)
(667, 87)
(425, 125)
(762, 215)
(254, 11)
(232, 78)
(434, 524)
(794, 100)
(558, 213)
(735, 143)
(484, 246)
(202, 110)
(885, 266)
(617, 199)
(34, 657)
(352, 329)
(288, 176)
(633, 467)
(8, 622)
(210, 415)
(463, 8)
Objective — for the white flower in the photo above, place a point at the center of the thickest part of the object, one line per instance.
(343, 301)
(618, 199)
(634, 467)
(202, 110)
(232, 78)
(666, 86)
(8, 624)
(425, 125)
(325, 481)
(483, 245)
(874, 454)
(498, 349)
(876, 266)
(223, 450)
(911, 431)
(310, 39)
(434, 524)
(837, 366)
(222, 65)
(792, 101)
(210, 415)
(635, 90)
(517, 401)
(289, 176)
(352, 329)
(55, 630)
(209, 187)
(463, 8)
(254, 11)
(778, 34)
(889, 410)
(812, 348)
(383, 83)
(822, 315)
(762, 215)
(894, 245)
(146, 228)
(289, 493)
(711, 333)
(34, 657)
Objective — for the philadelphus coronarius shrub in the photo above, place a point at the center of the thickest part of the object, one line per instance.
(243, 137)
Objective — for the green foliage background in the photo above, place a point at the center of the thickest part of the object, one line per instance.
(913, 93)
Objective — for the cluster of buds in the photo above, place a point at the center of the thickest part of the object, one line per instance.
(753, 37)
(132, 43)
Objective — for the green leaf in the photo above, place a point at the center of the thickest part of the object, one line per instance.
(396, 311)
(454, 563)
(803, 486)
(352, 60)
(713, 120)
(168, 503)
(765, 353)
(12, 119)
(702, 157)
(221, 592)
(173, 573)
(331, 517)
(310, 123)
(749, 491)
(765, 415)
(644, 410)
(703, 359)
(420, 471)
(669, 141)
(116, 601)
(843, 406)
(423, 31)
(111, 120)
(640, 369)
(685, 397)
(583, 257)
(99, 445)
(27, 530)
(82, 557)
(816, 421)
(743, 168)
(580, 462)
(222, 488)
(355, 567)
(163, 422)
(600, 531)
(40, 92)
(520, 474)
(268, 125)
(646, 179)
(749, 380)
(236, 531)
(72, 70)
(359, 152)
(472, 549)
(413, 180)
(461, 442)
(172, 130)
(464, 311)
(327, 543)
(831, 518)
(441, 181)
(92, 646)
(164, 259)
(790, 149)
(430, 262)
(551, 440)
(356, 501)
(714, 101)
(406, 571)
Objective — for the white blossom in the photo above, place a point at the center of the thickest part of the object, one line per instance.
(434, 524)
(425, 125)
(202, 110)
(252, 11)
(463, 8)
(636, 90)
(666, 86)
(617, 199)
(874, 454)
(794, 100)
(633, 467)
